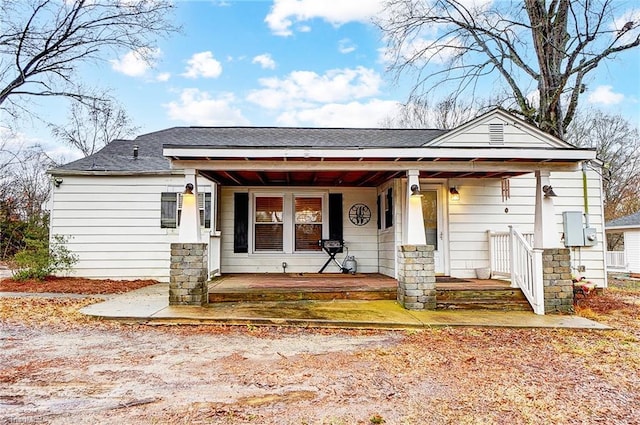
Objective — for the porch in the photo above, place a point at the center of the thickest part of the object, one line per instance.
(452, 293)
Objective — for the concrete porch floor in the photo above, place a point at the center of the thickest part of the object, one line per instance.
(150, 305)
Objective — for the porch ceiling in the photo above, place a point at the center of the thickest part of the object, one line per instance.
(357, 178)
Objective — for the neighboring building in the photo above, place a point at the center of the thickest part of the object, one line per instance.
(629, 259)
(267, 195)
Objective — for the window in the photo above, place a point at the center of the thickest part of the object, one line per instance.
(308, 223)
(268, 223)
(171, 209)
(388, 209)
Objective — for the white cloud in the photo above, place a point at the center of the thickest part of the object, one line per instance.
(436, 51)
(349, 115)
(163, 77)
(346, 46)
(197, 107)
(284, 13)
(136, 62)
(305, 88)
(265, 60)
(203, 64)
(604, 95)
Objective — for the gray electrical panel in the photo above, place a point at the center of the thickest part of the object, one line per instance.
(575, 232)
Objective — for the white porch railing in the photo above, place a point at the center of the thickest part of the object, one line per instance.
(616, 260)
(511, 255)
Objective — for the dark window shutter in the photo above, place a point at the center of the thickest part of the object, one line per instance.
(207, 210)
(335, 217)
(240, 222)
(168, 209)
(378, 218)
(388, 213)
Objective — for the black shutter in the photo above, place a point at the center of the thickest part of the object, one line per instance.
(207, 210)
(388, 214)
(241, 222)
(335, 217)
(379, 219)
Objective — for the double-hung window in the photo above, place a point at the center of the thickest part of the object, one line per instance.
(308, 223)
(171, 209)
(268, 223)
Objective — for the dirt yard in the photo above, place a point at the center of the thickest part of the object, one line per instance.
(59, 367)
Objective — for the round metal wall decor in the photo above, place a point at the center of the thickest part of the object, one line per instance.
(359, 214)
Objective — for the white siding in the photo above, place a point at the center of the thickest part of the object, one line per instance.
(362, 241)
(481, 208)
(113, 224)
(478, 137)
(389, 238)
(632, 249)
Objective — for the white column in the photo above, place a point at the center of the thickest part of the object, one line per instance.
(189, 231)
(415, 234)
(545, 232)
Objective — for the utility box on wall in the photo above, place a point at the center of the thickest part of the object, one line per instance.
(575, 233)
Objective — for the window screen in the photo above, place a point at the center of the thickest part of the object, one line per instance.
(308, 222)
(268, 223)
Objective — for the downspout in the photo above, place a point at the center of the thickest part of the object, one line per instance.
(585, 194)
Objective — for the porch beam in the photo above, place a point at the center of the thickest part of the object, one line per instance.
(400, 166)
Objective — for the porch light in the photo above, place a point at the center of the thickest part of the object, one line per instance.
(548, 191)
(188, 189)
(455, 195)
(415, 190)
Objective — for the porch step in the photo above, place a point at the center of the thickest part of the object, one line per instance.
(482, 299)
(299, 294)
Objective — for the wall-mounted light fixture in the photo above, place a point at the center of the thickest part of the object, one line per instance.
(548, 191)
(415, 190)
(455, 195)
(57, 181)
(188, 189)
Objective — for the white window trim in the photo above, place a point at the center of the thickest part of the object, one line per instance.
(288, 218)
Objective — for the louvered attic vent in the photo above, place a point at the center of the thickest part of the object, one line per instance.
(496, 134)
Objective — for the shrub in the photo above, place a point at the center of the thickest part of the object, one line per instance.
(41, 259)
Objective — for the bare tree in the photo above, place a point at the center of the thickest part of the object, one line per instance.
(617, 144)
(548, 46)
(445, 114)
(93, 124)
(43, 41)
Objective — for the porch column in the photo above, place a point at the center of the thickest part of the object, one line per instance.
(415, 234)
(545, 232)
(189, 230)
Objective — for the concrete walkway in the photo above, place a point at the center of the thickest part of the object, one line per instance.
(150, 305)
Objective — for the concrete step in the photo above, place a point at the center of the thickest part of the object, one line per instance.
(511, 299)
(299, 294)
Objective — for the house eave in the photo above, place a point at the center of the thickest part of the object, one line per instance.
(396, 154)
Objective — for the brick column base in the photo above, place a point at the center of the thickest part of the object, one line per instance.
(416, 277)
(556, 276)
(188, 274)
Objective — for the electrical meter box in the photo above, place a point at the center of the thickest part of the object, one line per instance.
(575, 233)
(590, 237)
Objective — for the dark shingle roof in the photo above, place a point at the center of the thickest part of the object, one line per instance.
(632, 220)
(118, 155)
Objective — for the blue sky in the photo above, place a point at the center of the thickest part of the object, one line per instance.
(314, 63)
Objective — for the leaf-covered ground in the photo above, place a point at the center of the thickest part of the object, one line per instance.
(59, 367)
(73, 285)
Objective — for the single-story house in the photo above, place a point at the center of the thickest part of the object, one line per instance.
(489, 195)
(628, 259)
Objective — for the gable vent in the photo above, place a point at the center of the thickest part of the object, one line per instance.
(496, 134)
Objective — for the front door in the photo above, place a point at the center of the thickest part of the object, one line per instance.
(433, 223)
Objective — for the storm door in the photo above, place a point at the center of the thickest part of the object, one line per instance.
(433, 222)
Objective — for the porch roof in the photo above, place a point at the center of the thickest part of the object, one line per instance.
(358, 166)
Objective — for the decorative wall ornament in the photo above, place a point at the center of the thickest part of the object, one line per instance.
(359, 214)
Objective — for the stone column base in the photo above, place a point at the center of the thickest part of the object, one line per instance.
(188, 275)
(416, 277)
(557, 281)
